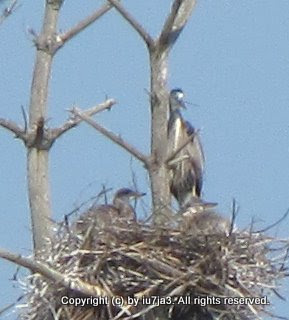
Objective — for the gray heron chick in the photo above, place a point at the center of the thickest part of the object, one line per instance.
(121, 202)
(106, 215)
(200, 217)
(186, 176)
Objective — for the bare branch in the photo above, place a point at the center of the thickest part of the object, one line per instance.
(9, 306)
(53, 275)
(175, 22)
(24, 114)
(173, 155)
(235, 210)
(116, 139)
(274, 224)
(74, 121)
(82, 25)
(8, 11)
(14, 128)
(133, 22)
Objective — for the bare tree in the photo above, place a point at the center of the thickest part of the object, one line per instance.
(38, 138)
(158, 49)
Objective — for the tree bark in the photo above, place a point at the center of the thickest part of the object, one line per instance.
(159, 113)
(37, 157)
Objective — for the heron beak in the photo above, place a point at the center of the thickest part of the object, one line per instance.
(183, 105)
(141, 194)
(210, 205)
(138, 194)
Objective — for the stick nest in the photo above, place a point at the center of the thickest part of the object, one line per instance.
(187, 276)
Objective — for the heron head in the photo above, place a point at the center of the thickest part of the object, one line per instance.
(177, 99)
(127, 194)
(198, 204)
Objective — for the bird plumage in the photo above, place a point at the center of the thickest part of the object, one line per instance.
(199, 217)
(186, 176)
(106, 215)
(121, 201)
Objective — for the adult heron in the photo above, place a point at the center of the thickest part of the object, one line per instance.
(186, 176)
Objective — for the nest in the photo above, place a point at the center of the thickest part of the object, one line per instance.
(170, 274)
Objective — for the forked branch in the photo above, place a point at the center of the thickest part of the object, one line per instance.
(82, 25)
(175, 22)
(73, 121)
(133, 22)
(113, 137)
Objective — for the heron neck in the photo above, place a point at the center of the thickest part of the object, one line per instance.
(123, 206)
(175, 107)
(174, 115)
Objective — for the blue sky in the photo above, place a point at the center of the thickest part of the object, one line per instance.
(232, 61)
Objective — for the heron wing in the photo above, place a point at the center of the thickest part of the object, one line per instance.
(101, 216)
(196, 156)
(195, 148)
(187, 173)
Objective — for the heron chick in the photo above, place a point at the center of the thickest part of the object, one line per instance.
(200, 217)
(119, 211)
(186, 176)
(121, 202)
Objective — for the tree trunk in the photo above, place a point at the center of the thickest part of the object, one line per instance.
(37, 156)
(159, 113)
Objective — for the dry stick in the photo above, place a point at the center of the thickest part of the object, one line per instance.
(8, 11)
(53, 275)
(65, 37)
(74, 121)
(274, 224)
(133, 22)
(137, 315)
(116, 139)
(234, 215)
(24, 115)
(138, 295)
(11, 305)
